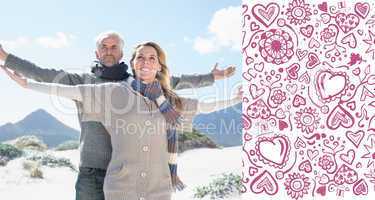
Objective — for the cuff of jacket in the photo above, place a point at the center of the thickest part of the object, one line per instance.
(11, 61)
(210, 78)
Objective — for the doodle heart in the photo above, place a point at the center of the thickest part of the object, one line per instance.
(360, 187)
(292, 71)
(362, 9)
(307, 31)
(348, 157)
(299, 143)
(355, 137)
(266, 14)
(325, 18)
(258, 109)
(259, 66)
(345, 174)
(305, 166)
(323, 6)
(298, 101)
(273, 151)
(322, 190)
(304, 78)
(249, 75)
(246, 122)
(264, 182)
(301, 54)
(347, 22)
(350, 40)
(292, 88)
(283, 125)
(312, 154)
(256, 92)
(313, 60)
(314, 43)
(339, 117)
(254, 26)
(331, 85)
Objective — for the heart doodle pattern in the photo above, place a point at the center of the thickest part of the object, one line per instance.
(266, 183)
(266, 14)
(330, 85)
(347, 22)
(310, 99)
(273, 151)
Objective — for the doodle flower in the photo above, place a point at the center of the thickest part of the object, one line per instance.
(298, 12)
(307, 119)
(328, 35)
(276, 46)
(278, 97)
(326, 162)
(297, 185)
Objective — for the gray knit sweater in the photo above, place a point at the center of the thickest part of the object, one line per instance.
(95, 144)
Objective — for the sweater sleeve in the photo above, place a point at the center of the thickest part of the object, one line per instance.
(192, 81)
(32, 71)
(67, 91)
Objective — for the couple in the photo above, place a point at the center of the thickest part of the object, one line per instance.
(128, 123)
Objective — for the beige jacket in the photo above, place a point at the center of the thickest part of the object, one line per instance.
(139, 165)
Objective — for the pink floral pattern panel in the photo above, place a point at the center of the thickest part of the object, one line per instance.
(309, 104)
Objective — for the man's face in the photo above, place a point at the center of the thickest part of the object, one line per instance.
(109, 52)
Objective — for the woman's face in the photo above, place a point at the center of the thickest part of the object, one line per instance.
(146, 64)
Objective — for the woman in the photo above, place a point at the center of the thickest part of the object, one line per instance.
(140, 115)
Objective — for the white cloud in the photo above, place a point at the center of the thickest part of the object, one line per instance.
(18, 42)
(59, 40)
(224, 31)
(205, 45)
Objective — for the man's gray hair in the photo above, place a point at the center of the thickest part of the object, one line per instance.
(108, 34)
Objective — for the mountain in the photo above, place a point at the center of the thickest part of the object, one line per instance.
(224, 127)
(41, 124)
(194, 140)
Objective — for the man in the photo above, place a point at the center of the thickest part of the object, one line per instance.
(95, 145)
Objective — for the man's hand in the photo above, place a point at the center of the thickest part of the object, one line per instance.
(15, 76)
(224, 73)
(3, 54)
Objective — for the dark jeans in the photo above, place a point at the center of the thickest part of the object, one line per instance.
(89, 185)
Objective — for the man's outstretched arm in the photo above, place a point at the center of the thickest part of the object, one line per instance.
(32, 71)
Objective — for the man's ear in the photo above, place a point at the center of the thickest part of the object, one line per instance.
(97, 54)
(122, 54)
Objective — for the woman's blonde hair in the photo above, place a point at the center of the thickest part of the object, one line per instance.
(163, 76)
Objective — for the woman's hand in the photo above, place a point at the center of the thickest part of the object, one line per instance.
(15, 76)
(220, 74)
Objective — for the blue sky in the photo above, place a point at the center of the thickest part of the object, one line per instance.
(61, 34)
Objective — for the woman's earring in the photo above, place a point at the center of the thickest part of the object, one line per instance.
(158, 74)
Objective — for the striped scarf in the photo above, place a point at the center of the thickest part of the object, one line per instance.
(154, 92)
